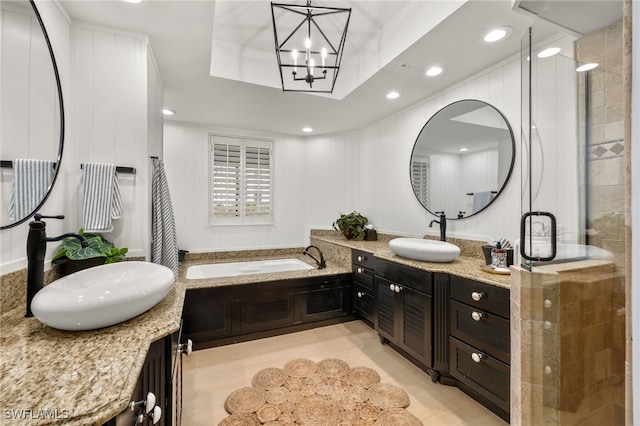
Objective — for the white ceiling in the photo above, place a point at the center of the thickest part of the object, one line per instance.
(236, 88)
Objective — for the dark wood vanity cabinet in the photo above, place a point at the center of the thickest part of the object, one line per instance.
(364, 292)
(479, 348)
(227, 314)
(160, 375)
(405, 309)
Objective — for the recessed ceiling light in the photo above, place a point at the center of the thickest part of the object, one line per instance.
(550, 51)
(392, 95)
(586, 67)
(307, 129)
(498, 33)
(463, 149)
(166, 111)
(433, 71)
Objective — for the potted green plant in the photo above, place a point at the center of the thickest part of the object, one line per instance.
(351, 225)
(72, 257)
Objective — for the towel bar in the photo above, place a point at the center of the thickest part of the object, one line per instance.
(121, 169)
(8, 164)
(471, 193)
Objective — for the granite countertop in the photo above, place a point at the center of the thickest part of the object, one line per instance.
(464, 266)
(82, 378)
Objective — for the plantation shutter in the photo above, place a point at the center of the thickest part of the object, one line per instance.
(240, 181)
(420, 179)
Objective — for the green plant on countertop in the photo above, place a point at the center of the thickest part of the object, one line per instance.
(98, 247)
(351, 225)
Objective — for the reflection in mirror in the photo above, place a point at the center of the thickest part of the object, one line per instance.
(462, 159)
(32, 115)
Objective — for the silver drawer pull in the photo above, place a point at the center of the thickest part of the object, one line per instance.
(477, 316)
(477, 295)
(476, 357)
(360, 270)
(361, 258)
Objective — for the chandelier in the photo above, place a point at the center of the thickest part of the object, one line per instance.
(309, 44)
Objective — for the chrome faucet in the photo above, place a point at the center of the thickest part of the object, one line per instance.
(443, 225)
(321, 263)
(36, 249)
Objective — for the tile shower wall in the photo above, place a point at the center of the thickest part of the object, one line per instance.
(606, 164)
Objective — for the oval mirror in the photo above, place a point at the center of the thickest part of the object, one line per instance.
(32, 113)
(462, 159)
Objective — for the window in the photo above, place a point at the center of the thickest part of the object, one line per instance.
(241, 188)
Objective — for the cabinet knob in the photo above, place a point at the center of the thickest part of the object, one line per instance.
(186, 348)
(360, 294)
(477, 316)
(476, 357)
(148, 403)
(155, 415)
(360, 270)
(392, 287)
(477, 295)
(398, 289)
(361, 258)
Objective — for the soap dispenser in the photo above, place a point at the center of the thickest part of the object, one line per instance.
(498, 256)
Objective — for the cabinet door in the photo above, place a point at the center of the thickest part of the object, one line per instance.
(266, 311)
(325, 303)
(364, 303)
(207, 314)
(387, 320)
(415, 336)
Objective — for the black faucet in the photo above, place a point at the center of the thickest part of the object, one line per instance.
(321, 263)
(36, 249)
(443, 225)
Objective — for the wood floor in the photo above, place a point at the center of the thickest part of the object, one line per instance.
(210, 375)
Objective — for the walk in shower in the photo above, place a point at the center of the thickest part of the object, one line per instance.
(568, 301)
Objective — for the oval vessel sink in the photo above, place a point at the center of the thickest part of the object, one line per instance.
(102, 296)
(425, 250)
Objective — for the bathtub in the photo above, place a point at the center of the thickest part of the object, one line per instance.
(232, 269)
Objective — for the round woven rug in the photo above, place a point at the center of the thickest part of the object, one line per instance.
(326, 393)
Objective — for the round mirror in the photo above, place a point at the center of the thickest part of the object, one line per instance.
(32, 133)
(462, 159)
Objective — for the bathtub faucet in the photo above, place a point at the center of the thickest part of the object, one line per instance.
(321, 263)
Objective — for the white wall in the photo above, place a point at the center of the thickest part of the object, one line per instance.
(112, 117)
(186, 164)
(13, 241)
(388, 199)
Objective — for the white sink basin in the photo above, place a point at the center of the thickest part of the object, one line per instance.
(425, 250)
(102, 296)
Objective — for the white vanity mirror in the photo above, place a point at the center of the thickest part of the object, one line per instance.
(462, 159)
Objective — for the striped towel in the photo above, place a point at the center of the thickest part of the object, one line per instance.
(102, 200)
(164, 244)
(30, 185)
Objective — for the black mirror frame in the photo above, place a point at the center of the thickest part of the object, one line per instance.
(506, 180)
(61, 102)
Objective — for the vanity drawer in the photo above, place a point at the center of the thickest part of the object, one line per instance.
(484, 330)
(363, 276)
(479, 295)
(482, 373)
(364, 302)
(362, 258)
(416, 279)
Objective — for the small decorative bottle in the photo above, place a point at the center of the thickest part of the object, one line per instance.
(498, 257)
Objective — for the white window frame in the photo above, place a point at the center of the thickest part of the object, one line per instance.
(238, 209)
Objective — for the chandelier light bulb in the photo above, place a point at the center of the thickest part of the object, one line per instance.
(324, 56)
(312, 65)
(307, 43)
(294, 55)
